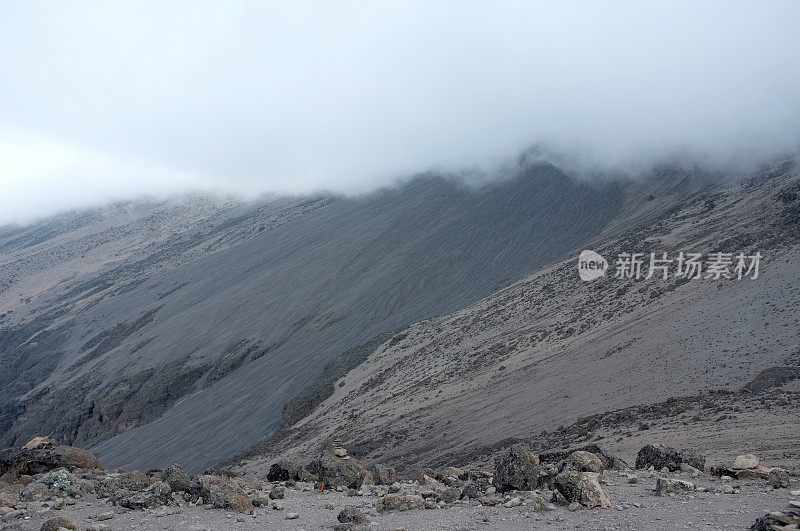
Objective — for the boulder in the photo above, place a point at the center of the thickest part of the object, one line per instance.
(659, 456)
(491, 500)
(289, 470)
(153, 496)
(117, 485)
(583, 461)
(516, 469)
(610, 462)
(583, 488)
(778, 478)
(665, 486)
(352, 515)
(744, 462)
(449, 495)
(54, 524)
(334, 472)
(40, 460)
(383, 475)
(399, 502)
(56, 483)
(177, 479)
(221, 493)
(39, 443)
(476, 488)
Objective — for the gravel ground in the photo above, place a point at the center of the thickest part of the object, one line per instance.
(635, 507)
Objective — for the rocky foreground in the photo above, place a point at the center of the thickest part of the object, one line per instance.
(49, 487)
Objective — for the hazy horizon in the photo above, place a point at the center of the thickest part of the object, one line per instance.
(110, 101)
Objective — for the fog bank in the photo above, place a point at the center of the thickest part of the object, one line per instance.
(107, 100)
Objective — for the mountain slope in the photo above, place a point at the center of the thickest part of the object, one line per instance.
(184, 344)
(552, 350)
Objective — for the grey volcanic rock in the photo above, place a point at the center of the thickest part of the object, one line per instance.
(582, 461)
(177, 478)
(517, 469)
(383, 475)
(153, 496)
(39, 460)
(335, 471)
(583, 488)
(288, 469)
(659, 456)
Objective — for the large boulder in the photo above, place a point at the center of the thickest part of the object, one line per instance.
(659, 456)
(610, 462)
(334, 471)
(583, 461)
(352, 515)
(222, 493)
(43, 459)
(117, 485)
(177, 479)
(399, 502)
(744, 462)
(288, 469)
(153, 496)
(61, 522)
(58, 483)
(665, 486)
(476, 488)
(516, 469)
(383, 475)
(583, 488)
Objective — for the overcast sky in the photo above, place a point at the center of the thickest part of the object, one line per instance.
(110, 99)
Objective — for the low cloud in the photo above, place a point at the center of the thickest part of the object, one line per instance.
(106, 100)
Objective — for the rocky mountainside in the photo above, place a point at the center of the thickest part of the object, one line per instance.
(551, 360)
(156, 332)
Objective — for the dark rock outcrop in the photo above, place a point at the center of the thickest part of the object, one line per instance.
(40, 460)
(289, 470)
(516, 469)
(659, 456)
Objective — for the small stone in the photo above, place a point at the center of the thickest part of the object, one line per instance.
(726, 489)
(352, 515)
(778, 478)
(513, 502)
(55, 523)
(490, 491)
(490, 499)
(745, 461)
(278, 506)
(105, 516)
(574, 506)
(666, 486)
(13, 515)
(277, 493)
(292, 516)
